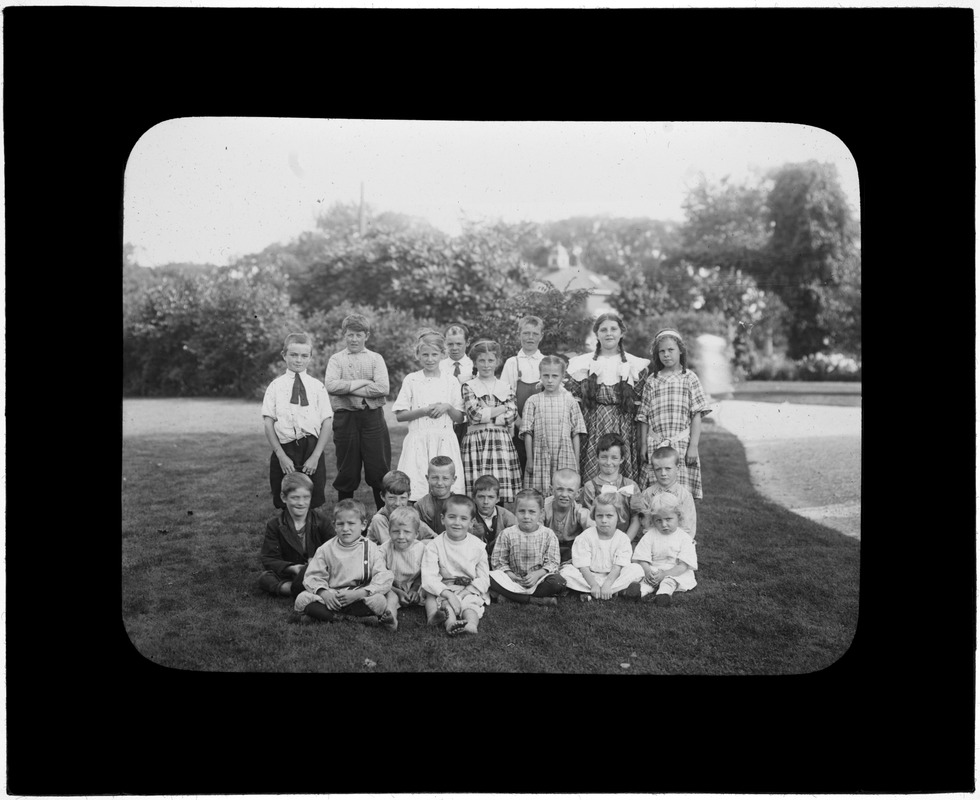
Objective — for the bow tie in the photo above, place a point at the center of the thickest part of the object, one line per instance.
(607, 489)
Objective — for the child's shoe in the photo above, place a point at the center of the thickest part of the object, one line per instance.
(543, 601)
(662, 600)
(632, 592)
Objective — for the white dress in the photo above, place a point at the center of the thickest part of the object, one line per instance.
(664, 551)
(600, 556)
(428, 437)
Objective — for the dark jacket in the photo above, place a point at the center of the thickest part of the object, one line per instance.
(281, 547)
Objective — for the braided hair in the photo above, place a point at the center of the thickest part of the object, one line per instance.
(627, 395)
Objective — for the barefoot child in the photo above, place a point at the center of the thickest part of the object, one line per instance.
(292, 537)
(666, 553)
(601, 557)
(295, 413)
(524, 568)
(670, 411)
(430, 402)
(491, 409)
(490, 519)
(664, 461)
(347, 577)
(395, 488)
(455, 572)
(552, 428)
(521, 373)
(563, 513)
(441, 477)
(402, 554)
(609, 481)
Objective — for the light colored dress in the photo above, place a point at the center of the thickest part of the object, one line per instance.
(428, 437)
(668, 404)
(664, 551)
(600, 556)
(552, 421)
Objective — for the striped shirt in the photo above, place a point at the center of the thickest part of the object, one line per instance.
(522, 552)
(344, 367)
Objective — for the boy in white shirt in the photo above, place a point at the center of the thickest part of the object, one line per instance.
(457, 364)
(521, 372)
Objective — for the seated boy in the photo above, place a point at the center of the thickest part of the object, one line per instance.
(395, 487)
(455, 571)
(665, 552)
(347, 577)
(292, 537)
(525, 561)
(403, 556)
(490, 519)
(440, 476)
(295, 413)
(564, 514)
(664, 461)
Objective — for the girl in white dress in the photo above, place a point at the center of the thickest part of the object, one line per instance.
(666, 552)
(430, 402)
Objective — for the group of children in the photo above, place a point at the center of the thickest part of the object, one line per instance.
(477, 446)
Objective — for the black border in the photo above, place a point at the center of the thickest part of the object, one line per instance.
(87, 715)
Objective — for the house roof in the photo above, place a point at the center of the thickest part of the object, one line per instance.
(579, 278)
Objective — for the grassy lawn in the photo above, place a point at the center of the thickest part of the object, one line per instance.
(776, 594)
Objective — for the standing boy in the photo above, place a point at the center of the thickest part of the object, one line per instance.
(295, 411)
(357, 380)
(457, 364)
(521, 372)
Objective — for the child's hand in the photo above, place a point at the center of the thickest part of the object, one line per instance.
(329, 598)
(286, 464)
(654, 578)
(310, 466)
(439, 409)
(692, 455)
(294, 568)
(464, 581)
(412, 596)
(597, 592)
(453, 602)
(605, 593)
(346, 596)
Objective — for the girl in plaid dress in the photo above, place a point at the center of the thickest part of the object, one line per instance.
(491, 409)
(670, 411)
(607, 383)
(552, 426)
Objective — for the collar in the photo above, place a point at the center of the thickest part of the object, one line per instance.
(290, 373)
(537, 355)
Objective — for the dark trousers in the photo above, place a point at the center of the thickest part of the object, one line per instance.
(361, 440)
(549, 587)
(298, 451)
(521, 453)
(459, 428)
(269, 582)
(321, 612)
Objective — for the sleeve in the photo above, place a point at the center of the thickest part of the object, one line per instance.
(405, 395)
(377, 531)
(509, 373)
(425, 532)
(508, 417)
(271, 553)
(482, 579)
(473, 406)
(689, 515)
(577, 420)
(317, 573)
(646, 398)
(623, 551)
(588, 495)
(530, 413)
(381, 576)
(699, 402)
(689, 553)
(431, 579)
(552, 556)
(269, 402)
(324, 525)
(582, 551)
(501, 551)
(380, 386)
(333, 377)
(585, 520)
(455, 398)
(642, 552)
(323, 402)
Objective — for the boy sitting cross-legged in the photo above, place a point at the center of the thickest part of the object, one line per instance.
(525, 558)
(455, 571)
(403, 556)
(395, 487)
(292, 537)
(347, 577)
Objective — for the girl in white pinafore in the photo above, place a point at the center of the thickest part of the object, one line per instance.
(430, 402)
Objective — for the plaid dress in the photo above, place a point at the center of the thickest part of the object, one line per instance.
(488, 448)
(668, 405)
(552, 421)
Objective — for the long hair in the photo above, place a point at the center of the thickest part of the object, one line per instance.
(667, 333)
(627, 394)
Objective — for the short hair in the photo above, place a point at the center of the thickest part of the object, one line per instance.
(350, 504)
(609, 440)
(553, 361)
(356, 322)
(396, 482)
(406, 514)
(296, 480)
(567, 474)
(486, 482)
(481, 346)
(649, 504)
(459, 500)
(605, 499)
(666, 452)
(427, 336)
(529, 494)
(457, 327)
(442, 461)
(297, 337)
(530, 319)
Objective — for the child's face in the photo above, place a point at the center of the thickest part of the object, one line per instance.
(349, 526)
(664, 521)
(297, 356)
(530, 336)
(456, 346)
(441, 480)
(528, 514)
(485, 500)
(564, 491)
(297, 501)
(551, 378)
(486, 363)
(457, 519)
(668, 352)
(609, 334)
(606, 519)
(355, 340)
(610, 461)
(403, 535)
(665, 470)
(394, 500)
(429, 357)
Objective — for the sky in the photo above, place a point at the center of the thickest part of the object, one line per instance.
(210, 189)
